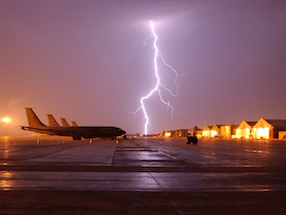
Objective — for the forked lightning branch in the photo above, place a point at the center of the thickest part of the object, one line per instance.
(159, 86)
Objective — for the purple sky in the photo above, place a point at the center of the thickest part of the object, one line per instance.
(86, 60)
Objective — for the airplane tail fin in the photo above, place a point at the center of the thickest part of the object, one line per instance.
(52, 120)
(74, 123)
(33, 120)
(64, 122)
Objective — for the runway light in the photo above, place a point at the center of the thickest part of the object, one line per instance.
(6, 120)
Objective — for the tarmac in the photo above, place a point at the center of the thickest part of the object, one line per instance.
(142, 176)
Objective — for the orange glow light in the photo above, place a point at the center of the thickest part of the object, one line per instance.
(168, 134)
(6, 120)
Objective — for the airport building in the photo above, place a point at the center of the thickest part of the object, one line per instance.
(206, 132)
(228, 131)
(196, 131)
(170, 133)
(282, 135)
(262, 129)
(182, 133)
(215, 130)
(268, 128)
(245, 129)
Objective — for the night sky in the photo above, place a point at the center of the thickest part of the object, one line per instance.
(87, 61)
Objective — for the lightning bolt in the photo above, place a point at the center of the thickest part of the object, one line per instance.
(158, 85)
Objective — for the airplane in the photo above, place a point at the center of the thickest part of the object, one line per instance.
(52, 120)
(74, 123)
(76, 133)
(64, 122)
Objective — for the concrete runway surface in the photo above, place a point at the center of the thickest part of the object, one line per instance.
(142, 176)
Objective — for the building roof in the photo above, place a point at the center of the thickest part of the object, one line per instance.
(251, 123)
(233, 125)
(281, 123)
(208, 126)
(218, 125)
(199, 129)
